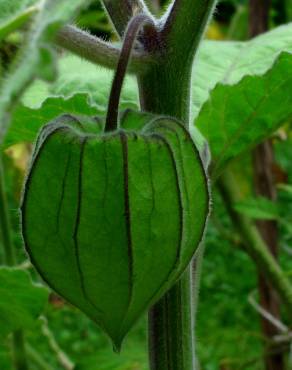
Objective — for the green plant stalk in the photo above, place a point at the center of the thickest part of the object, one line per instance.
(171, 339)
(165, 89)
(121, 11)
(19, 356)
(254, 244)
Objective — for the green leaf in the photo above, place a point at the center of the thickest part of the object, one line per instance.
(237, 117)
(80, 89)
(34, 59)
(217, 61)
(228, 62)
(21, 301)
(286, 188)
(79, 76)
(15, 13)
(111, 220)
(28, 121)
(259, 208)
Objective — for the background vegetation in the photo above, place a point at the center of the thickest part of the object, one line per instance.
(229, 334)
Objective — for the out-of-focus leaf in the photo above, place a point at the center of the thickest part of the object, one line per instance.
(15, 13)
(21, 301)
(20, 154)
(80, 89)
(258, 208)
(285, 187)
(79, 76)
(217, 61)
(27, 121)
(36, 57)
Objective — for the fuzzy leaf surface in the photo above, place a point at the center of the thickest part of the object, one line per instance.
(238, 117)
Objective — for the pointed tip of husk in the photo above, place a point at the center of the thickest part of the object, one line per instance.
(117, 345)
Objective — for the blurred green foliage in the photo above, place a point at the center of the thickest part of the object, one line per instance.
(228, 330)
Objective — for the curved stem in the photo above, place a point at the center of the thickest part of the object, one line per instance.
(98, 51)
(121, 11)
(130, 36)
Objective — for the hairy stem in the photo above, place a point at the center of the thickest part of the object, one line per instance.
(171, 339)
(98, 51)
(185, 25)
(165, 89)
(121, 11)
(180, 36)
(254, 244)
(19, 356)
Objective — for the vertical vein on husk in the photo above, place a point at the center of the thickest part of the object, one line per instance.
(60, 204)
(196, 152)
(78, 218)
(125, 150)
(179, 191)
(180, 206)
(152, 187)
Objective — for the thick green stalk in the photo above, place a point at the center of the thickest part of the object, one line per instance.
(121, 11)
(19, 356)
(254, 243)
(185, 26)
(165, 89)
(171, 337)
